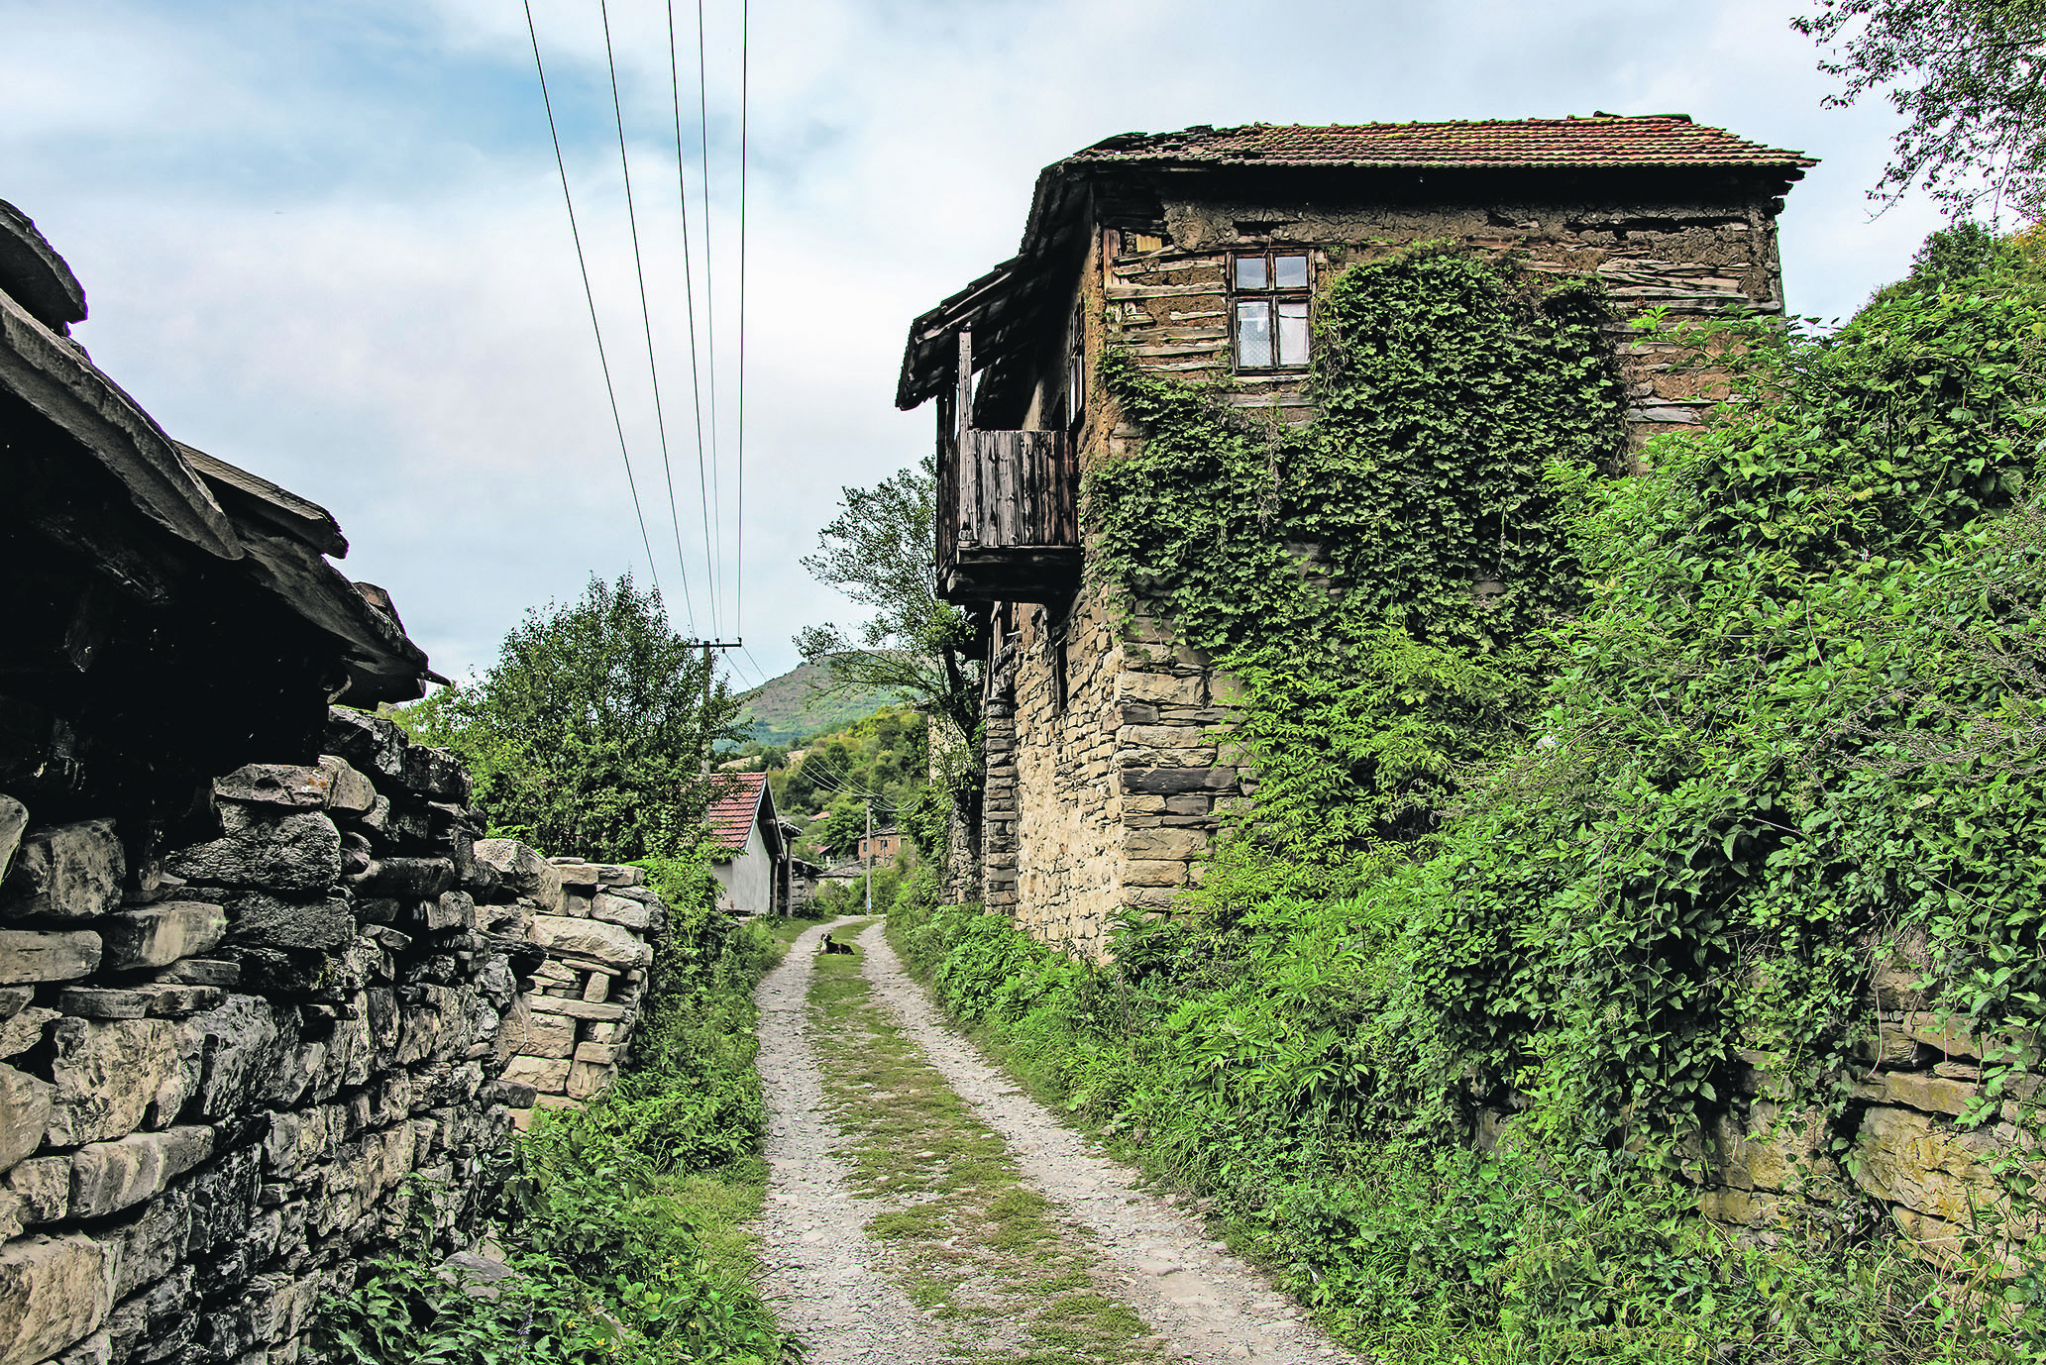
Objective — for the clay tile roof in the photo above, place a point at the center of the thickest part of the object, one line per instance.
(1601, 140)
(731, 819)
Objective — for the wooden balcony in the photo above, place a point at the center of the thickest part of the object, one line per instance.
(1008, 524)
(1008, 514)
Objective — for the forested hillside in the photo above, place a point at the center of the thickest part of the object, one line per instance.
(804, 701)
(1748, 750)
(824, 782)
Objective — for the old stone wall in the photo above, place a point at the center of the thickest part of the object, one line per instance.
(1108, 767)
(573, 1025)
(238, 1058)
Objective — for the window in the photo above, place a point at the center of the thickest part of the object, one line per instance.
(1270, 308)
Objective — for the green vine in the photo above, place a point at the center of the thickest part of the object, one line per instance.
(1374, 577)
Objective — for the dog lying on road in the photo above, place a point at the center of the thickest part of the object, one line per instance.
(828, 947)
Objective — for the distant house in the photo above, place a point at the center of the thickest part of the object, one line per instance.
(753, 863)
(882, 846)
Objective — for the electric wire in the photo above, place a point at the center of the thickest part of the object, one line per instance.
(710, 312)
(590, 296)
(689, 294)
(645, 311)
(739, 551)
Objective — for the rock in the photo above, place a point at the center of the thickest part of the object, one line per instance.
(53, 1292)
(597, 1054)
(546, 1075)
(348, 791)
(201, 971)
(108, 1074)
(48, 954)
(276, 784)
(66, 872)
(156, 1323)
(435, 773)
(522, 871)
(408, 878)
(154, 1243)
(449, 910)
(44, 1186)
(107, 1177)
(299, 852)
(618, 910)
(1169, 781)
(1919, 1090)
(103, 1002)
(516, 1094)
(14, 999)
(158, 935)
(268, 921)
(607, 943)
(612, 875)
(1911, 1159)
(24, 1115)
(574, 1009)
(372, 744)
(576, 875)
(13, 820)
(547, 1035)
(24, 1031)
(587, 1081)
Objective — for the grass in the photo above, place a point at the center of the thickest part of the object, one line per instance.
(1012, 1282)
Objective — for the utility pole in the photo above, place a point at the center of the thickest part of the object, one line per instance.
(870, 855)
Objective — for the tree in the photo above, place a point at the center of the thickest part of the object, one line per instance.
(881, 551)
(1970, 75)
(588, 735)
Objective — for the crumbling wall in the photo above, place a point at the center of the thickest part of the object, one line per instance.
(235, 1065)
(573, 1025)
(1108, 767)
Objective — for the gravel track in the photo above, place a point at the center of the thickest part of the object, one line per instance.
(819, 1270)
(1209, 1305)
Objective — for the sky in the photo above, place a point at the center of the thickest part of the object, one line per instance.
(327, 241)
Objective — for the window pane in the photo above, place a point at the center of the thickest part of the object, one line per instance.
(1254, 334)
(1292, 271)
(1293, 334)
(1250, 273)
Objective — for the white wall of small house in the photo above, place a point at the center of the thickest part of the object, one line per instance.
(747, 881)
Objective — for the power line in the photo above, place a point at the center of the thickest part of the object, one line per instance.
(645, 313)
(739, 554)
(710, 309)
(590, 297)
(689, 293)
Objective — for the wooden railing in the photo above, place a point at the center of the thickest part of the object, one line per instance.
(1008, 517)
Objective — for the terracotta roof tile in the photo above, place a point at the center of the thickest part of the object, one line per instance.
(731, 819)
(1601, 140)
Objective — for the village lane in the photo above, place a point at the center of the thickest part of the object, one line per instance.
(820, 1270)
(920, 1208)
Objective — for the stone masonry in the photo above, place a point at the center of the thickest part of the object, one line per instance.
(234, 1066)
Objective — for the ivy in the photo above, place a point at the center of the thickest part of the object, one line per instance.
(1375, 576)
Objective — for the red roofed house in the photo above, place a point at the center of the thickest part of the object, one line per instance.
(752, 863)
(1200, 254)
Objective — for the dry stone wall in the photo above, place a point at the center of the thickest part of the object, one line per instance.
(237, 1060)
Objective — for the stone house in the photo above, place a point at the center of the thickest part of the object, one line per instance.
(1200, 254)
(752, 863)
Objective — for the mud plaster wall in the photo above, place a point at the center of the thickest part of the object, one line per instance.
(223, 1060)
(1105, 790)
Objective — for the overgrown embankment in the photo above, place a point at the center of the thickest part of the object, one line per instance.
(620, 1224)
(1585, 809)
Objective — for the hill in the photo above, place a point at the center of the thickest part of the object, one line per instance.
(797, 704)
